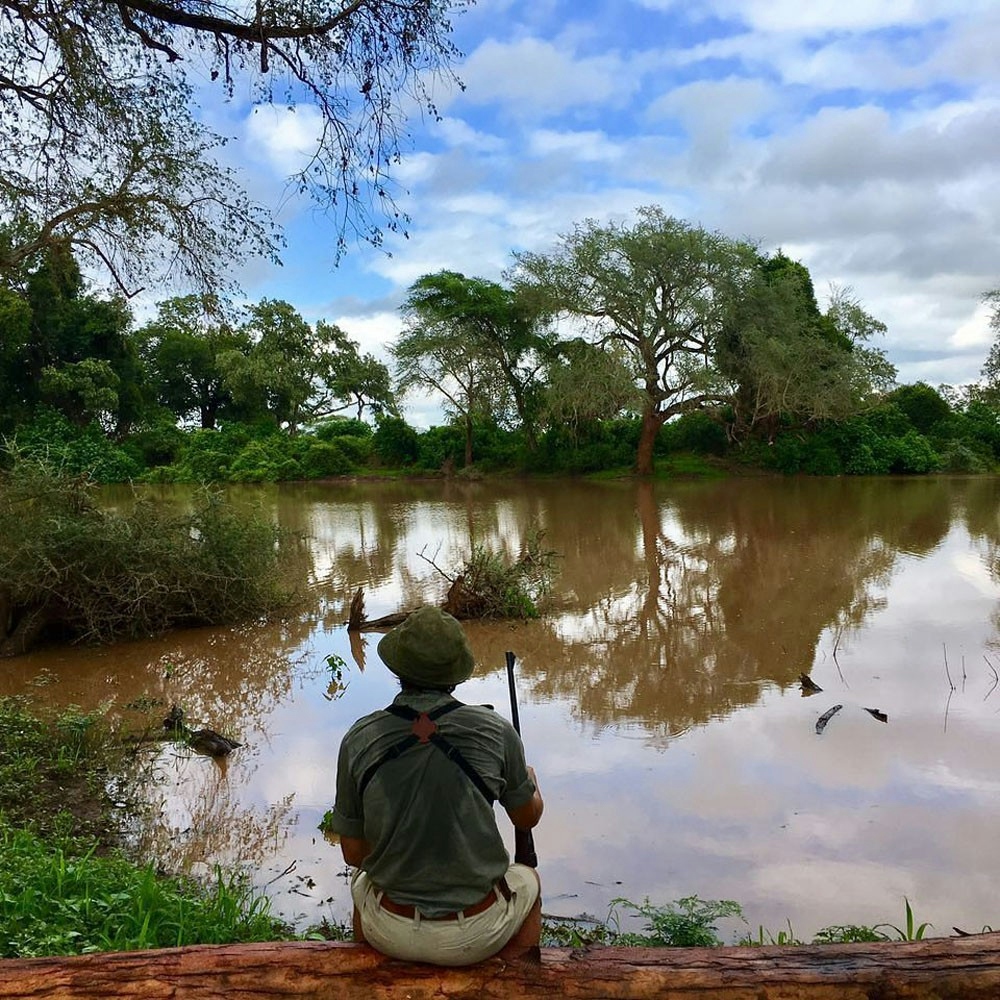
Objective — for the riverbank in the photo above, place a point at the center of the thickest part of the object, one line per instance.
(67, 786)
(68, 792)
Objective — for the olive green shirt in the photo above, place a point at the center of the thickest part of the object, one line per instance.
(434, 837)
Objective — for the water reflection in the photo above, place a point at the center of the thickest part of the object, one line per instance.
(660, 695)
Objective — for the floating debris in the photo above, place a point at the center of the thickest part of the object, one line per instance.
(876, 714)
(825, 718)
(809, 686)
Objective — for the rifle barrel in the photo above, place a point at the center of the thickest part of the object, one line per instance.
(524, 840)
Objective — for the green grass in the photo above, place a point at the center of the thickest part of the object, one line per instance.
(64, 888)
(691, 922)
(48, 765)
(61, 899)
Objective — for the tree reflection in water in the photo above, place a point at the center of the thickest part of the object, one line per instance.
(677, 604)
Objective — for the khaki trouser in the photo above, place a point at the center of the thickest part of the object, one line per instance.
(462, 941)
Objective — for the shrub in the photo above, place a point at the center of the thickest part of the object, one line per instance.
(913, 453)
(395, 442)
(696, 432)
(489, 585)
(158, 445)
(356, 449)
(441, 447)
(51, 438)
(207, 455)
(97, 574)
(924, 407)
(338, 427)
(326, 458)
(269, 460)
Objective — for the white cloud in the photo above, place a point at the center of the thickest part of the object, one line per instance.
(589, 146)
(976, 331)
(283, 138)
(533, 77)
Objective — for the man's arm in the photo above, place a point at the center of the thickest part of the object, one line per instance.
(355, 850)
(527, 816)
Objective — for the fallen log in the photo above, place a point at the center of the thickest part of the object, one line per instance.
(963, 968)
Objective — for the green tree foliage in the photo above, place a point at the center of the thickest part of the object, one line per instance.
(785, 359)
(67, 348)
(503, 333)
(585, 384)
(290, 369)
(438, 350)
(924, 407)
(181, 348)
(395, 442)
(363, 381)
(49, 437)
(102, 148)
(988, 389)
(659, 288)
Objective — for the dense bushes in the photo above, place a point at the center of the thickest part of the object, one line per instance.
(72, 567)
(51, 438)
(914, 431)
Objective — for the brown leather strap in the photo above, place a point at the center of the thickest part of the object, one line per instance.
(405, 910)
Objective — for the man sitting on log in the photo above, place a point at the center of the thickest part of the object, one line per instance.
(416, 783)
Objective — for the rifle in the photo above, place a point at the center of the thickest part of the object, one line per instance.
(524, 840)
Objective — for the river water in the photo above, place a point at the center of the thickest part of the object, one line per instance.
(659, 694)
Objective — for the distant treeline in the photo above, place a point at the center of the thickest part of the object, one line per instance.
(626, 347)
(914, 431)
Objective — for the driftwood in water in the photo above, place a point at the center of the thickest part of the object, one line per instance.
(357, 622)
(458, 604)
(966, 968)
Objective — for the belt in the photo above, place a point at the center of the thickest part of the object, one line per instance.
(404, 910)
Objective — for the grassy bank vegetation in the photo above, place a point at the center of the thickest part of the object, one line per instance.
(693, 922)
(66, 886)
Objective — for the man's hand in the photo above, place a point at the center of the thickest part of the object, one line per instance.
(527, 816)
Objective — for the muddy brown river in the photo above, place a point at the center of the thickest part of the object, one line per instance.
(659, 694)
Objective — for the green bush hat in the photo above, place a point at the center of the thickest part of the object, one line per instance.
(429, 649)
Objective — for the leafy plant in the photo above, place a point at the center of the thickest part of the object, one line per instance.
(910, 931)
(848, 933)
(766, 937)
(687, 923)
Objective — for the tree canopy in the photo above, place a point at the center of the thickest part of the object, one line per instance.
(661, 288)
(101, 147)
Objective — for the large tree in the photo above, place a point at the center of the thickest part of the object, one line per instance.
(68, 348)
(785, 359)
(101, 146)
(291, 368)
(500, 327)
(361, 380)
(658, 287)
(988, 389)
(433, 353)
(182, 347)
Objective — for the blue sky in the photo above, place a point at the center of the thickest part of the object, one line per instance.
(860, 136)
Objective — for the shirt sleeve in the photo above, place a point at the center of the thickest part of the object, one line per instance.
(347, 817)
(518, 786)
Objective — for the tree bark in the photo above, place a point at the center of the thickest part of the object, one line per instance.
(966, 968)
(651, 424)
